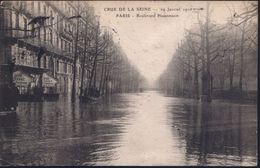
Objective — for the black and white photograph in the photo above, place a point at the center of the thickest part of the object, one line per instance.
(128, 83)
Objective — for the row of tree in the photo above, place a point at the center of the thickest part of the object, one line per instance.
(104, 66)
(215, 59)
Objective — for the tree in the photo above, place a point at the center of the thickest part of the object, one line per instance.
(209, 51)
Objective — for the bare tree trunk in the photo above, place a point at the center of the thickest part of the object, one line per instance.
(91, 77)
(107, 80)
(95, 60)
(231, 62)
(83, 65)
(95, 77)
(196, 79)
(189, 78)
(203, 71)
(118, 82)
(183, 83)
(106, 77)
(241, 72)
(222, 73)
(102, 74)
(73, 91)
(39, 66)
(209, 85)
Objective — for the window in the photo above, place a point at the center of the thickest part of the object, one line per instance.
(70, 69)
(32, 5)
(39, 6)
(44, 62)
(58, 20)
(17, 20)
(11, 18)
(58, 67)
(44, 34)
(25, 26)
(61, 25)
(64, 24)
(33, 31)
(65, 68)
(57, 38)
(65, 45)
(51, 19)
(51, 39)
(45, 13)
(61, 42)
(51, 65)
(79, 71)
(62, 67)
(23, 5)
(39, 33)
(44, 9)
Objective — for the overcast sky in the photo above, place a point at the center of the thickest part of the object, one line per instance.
(150, 43)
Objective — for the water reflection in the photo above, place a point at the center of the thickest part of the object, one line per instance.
(217, 133)
(8, 130)
(129, 129)
(62, 134)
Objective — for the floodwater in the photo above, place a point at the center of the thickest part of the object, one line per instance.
(130, 129)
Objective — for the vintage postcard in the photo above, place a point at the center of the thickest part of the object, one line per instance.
(139, 83)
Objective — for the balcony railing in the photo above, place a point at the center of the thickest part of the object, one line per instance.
(64, 33)
(50, 48)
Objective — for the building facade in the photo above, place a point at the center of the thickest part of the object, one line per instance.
(21, 41)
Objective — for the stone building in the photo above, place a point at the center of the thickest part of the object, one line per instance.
(21, 42)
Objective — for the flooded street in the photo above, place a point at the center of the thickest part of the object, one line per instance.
(130, 129)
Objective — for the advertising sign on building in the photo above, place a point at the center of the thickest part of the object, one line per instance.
(48, 81)
(22, 79)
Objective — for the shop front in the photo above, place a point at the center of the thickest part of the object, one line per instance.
(27, 80)
(49, 85)
(24, 82)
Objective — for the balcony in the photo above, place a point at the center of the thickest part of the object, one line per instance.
(52, 50)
